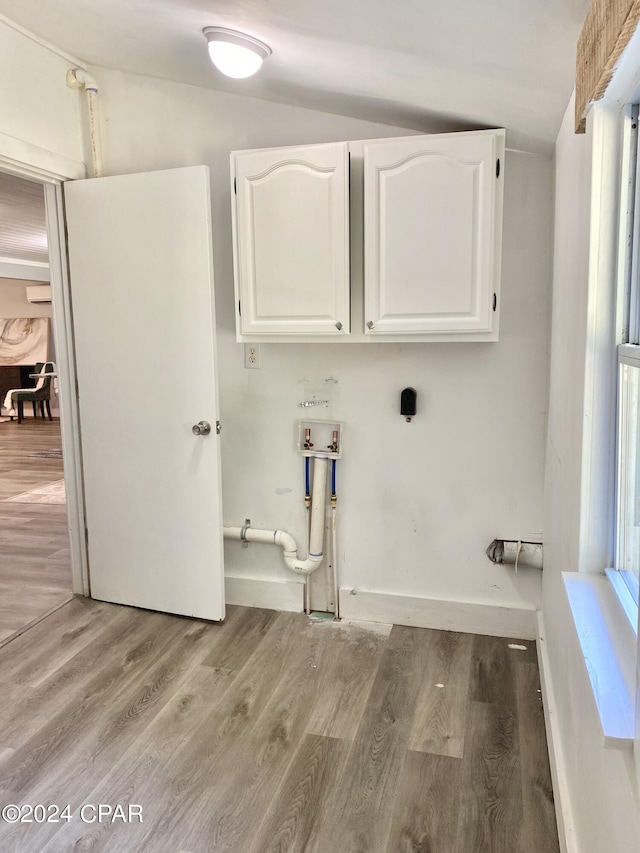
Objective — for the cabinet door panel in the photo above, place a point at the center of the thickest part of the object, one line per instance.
(430, 234)
(292, 240)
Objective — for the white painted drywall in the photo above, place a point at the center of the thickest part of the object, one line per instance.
(493, 61)
(600, 783)
(419, 502)
(41, 117)
(14, 302)
(568, 341)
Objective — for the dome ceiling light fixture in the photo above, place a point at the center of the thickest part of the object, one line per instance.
(233, 53)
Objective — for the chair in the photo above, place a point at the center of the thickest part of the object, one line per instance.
(32, 395)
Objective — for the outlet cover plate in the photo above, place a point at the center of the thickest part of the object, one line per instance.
(252, 356)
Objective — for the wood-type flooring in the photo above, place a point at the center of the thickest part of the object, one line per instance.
(270, 732)
(35, 567)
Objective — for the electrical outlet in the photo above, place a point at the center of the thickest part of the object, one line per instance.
(252, 356)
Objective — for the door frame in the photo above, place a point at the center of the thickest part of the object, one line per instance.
(62, 322)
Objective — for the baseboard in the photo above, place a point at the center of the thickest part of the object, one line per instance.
(564, 818)
(444, 614)
(270, 594)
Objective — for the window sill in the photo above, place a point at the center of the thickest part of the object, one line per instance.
(625, 598)
(609, 649)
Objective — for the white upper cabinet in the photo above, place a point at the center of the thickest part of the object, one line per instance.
(291, 240)
(432, 225)
(421, 261)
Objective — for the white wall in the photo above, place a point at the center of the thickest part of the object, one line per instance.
(600, 782)
(568, 342)
(40, 119)
(419, 502)
(14, 302)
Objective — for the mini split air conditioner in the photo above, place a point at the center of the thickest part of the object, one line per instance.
(39, 293)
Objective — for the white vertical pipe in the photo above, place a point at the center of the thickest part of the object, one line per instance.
(318, 493)
(94, 130)
(334, 561)
(307, 594)
(307, 581)
(77, 78)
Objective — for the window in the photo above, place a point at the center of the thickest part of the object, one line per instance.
(627, 559)
(628, 503)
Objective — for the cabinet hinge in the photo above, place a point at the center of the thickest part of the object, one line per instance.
(239, 308)
(495, 301)
(498, 168)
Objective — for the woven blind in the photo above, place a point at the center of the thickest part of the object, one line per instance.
(607, 29)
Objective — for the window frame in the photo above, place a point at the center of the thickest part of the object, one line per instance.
(627, 341)
(608, 126)
(628, 355)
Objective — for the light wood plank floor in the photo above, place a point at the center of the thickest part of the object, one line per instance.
(271, 733)
(35, 568)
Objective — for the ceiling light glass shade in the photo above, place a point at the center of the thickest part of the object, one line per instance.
(233, 53)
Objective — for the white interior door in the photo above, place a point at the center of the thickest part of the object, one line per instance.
(141, 275)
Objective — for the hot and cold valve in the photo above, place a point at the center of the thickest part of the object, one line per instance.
(308, 444)
(320, 438)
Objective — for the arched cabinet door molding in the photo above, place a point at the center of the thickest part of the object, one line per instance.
(426, 213)
(291, 240)
(432, 233)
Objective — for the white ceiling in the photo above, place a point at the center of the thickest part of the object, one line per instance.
(480, 62)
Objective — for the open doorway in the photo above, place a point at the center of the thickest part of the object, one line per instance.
(151, 490)
(35, 569)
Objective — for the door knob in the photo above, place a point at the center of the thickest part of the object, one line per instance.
(201, 428)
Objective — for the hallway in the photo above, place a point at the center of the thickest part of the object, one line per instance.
(35, 568)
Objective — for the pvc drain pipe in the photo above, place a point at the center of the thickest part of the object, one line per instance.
(284, 539)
